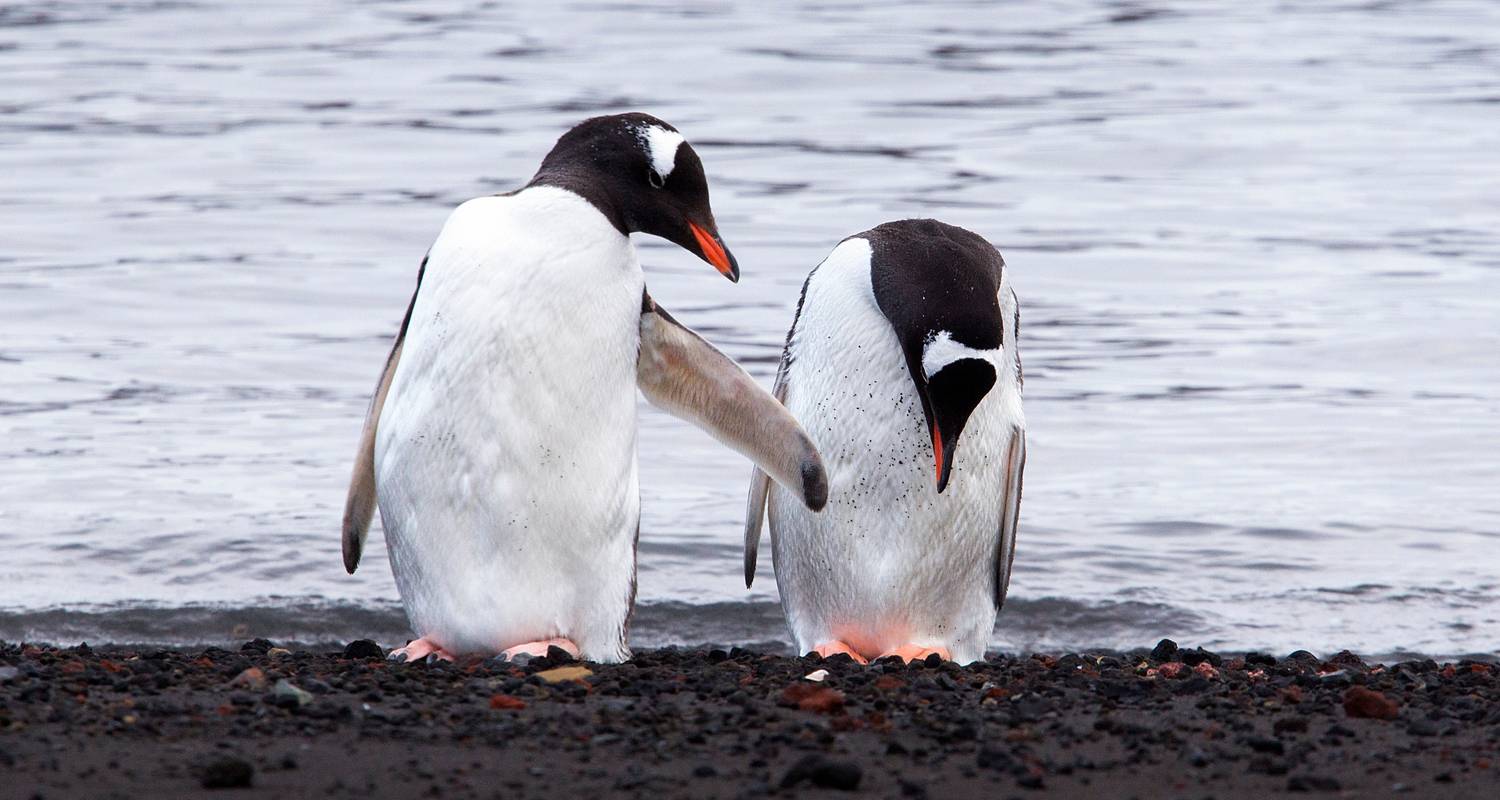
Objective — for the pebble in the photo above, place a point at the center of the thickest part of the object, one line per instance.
(253, 678)
(363, 648)
(1290, 725)
(506, 702)
(8, 674)
(1313, 783)
(811, 697)
(1165, 650)
(820, 770)
(1362, 703)
(560, 674)
(1261, 744)
(289, 695)
(1198, 656)
(1422, 727)
(1172, 669)
(227, 772)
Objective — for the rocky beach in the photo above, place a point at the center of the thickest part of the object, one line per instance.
(264, 720)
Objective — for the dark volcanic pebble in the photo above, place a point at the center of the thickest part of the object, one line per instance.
(228, 772)
(1198, 656)
(1165, 650)
(1312, 783)
(363, 648)
(823, 771)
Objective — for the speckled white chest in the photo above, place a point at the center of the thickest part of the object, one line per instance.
(506, 453)
(890, 561)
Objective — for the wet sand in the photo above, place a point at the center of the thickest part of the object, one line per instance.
(266, 721)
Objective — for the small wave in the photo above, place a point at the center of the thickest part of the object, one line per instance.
(1046, 623)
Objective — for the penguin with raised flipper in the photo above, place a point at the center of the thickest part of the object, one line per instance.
(500, 445)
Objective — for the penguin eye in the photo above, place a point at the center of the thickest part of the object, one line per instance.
(656, 179)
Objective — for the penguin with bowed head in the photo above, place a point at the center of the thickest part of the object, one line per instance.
(902, 364)
(500, 446)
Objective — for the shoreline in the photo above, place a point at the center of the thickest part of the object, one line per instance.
(1029, 625)
(734, 723)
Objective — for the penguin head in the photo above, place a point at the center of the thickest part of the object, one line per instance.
(643, 175)
(939, 285)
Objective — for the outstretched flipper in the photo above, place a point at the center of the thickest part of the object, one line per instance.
(1010, 512)
(683, 374)
(760, 487)
(359, 507)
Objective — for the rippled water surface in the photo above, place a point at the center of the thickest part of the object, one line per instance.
(1257, 248)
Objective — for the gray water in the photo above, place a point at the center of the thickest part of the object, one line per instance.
(1256, 248)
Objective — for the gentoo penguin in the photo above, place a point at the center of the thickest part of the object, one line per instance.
(902, 365)
(501, 441)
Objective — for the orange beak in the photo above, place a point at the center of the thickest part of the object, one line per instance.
(937, 455)
(714, 253)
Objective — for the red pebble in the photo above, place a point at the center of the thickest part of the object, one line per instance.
(253, 678)
(1206, 669)
(812, 697)
(1172, 669)
(507, 702)
(1363, 703)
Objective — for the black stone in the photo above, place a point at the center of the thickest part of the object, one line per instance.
(1422, 727)
(1198, 655)
(1290, 725)
(1312, 783)
(1262, 744)
(227, 772)
(820, 770)
(363, 648)
(257, 646)
(1165, 650)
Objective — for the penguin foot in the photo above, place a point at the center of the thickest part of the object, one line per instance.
(418, 649)
(912, 652)
(540, 648)
(834, 647)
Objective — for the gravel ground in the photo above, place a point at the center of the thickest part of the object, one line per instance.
(263, 720)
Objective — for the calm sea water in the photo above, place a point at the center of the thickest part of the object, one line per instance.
(1257, 248)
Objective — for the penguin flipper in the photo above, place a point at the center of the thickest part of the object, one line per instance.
(359, 507)
(1010, 512)
(760, 488)
(686, 376)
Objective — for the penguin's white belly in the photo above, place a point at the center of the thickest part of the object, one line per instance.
(891, 562)
(505, 454)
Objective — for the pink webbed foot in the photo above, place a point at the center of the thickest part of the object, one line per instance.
(834, 647)
(912, 652)
(539, 648)
(418, 649)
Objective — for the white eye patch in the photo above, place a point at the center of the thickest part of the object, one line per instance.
(941, 350)
(661, 147)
